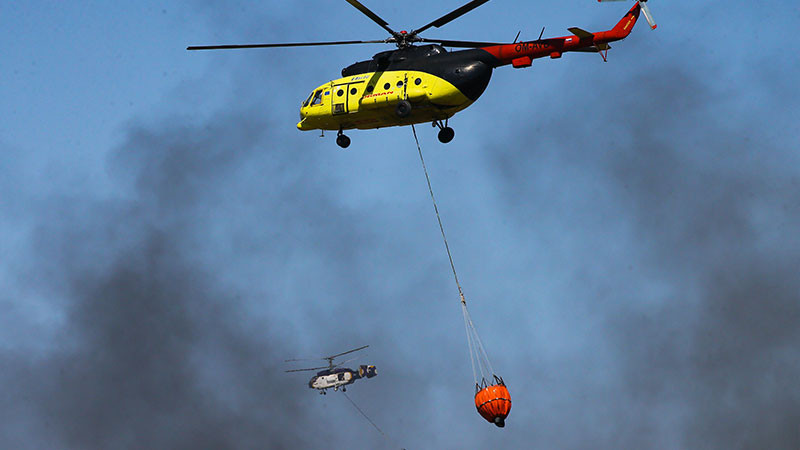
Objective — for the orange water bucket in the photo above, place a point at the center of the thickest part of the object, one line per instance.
(494, 403)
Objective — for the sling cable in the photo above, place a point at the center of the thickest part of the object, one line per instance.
(492, 398)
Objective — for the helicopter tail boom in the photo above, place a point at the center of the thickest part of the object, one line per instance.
(623, 28)
(521, 54)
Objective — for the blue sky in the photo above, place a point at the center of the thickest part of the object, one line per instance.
(625, 232)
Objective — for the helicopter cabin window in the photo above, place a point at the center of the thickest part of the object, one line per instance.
(370, 88)
(400, 83)
(339, 93)
(317, 98)
(387, 86)
(418, 81)
(308, 100)
(353, 91)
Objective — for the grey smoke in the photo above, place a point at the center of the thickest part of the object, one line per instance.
(633, 274)
(687, 223)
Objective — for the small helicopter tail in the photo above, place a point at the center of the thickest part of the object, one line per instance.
(367, 371)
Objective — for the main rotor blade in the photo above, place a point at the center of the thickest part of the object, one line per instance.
(460, 44)
(345, 362)
(307, 370)
(288, 44)
(349, 351)
(450, 16)
(375, 18)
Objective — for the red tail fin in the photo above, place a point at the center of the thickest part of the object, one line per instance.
(623, 28)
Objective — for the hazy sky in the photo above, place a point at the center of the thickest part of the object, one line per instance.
(626, 233)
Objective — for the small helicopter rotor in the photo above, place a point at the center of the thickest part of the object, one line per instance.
(344, 353)
(330, 359)
(344, 362)
(307, 370)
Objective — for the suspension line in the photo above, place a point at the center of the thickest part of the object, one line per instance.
(438, 217)
(476, 350)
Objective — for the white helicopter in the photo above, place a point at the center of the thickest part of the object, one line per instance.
(334, 376)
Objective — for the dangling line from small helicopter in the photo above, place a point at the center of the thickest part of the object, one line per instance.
(369, 420)
(492, 398)
(364, 414)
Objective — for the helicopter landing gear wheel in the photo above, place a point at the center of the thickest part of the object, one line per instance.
(403, 109)
(344, 389)
(446, 134)
(342, 140)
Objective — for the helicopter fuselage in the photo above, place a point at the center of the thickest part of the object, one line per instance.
(435, 82)
(336, 378)
(341, 377)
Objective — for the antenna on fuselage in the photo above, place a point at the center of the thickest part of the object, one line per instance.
(541, 34)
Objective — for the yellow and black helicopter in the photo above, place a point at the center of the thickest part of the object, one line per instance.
(426, 83)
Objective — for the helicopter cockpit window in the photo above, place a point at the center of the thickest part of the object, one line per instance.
(317, 98)
(308, 100)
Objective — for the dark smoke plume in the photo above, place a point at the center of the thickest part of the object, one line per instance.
(695, 275)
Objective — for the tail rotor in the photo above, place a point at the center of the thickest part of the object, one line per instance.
(645, 11)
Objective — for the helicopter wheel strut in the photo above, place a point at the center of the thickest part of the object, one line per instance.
(446, 134)
(342, 140)
(344, 389)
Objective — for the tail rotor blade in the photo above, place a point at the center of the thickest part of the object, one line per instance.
(648, 15)
(645, 11)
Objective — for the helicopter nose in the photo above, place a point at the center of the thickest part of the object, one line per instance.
(302, 119)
